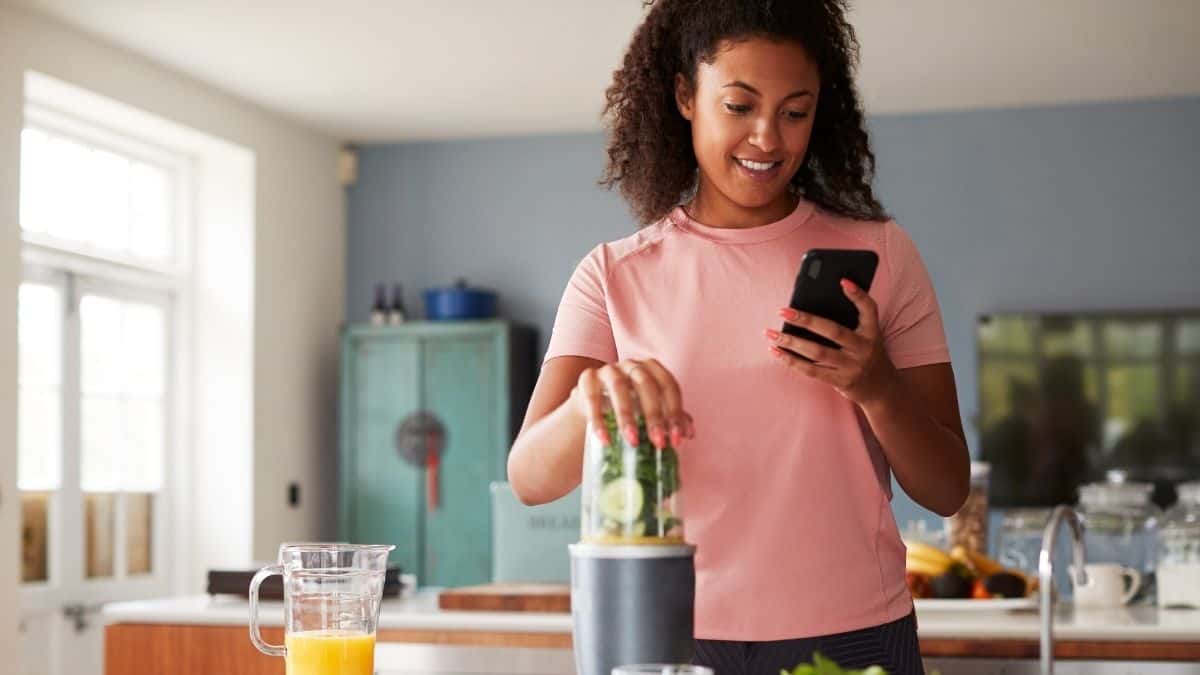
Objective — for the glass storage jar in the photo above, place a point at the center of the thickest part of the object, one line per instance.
(630, 492)
(1019, 542)
(1179, 550)
(968, 527)
(1121, 526)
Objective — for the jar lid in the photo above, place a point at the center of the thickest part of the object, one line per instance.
(1026, 519)
(1127, 494)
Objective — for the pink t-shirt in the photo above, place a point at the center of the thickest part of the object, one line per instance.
(785, 492)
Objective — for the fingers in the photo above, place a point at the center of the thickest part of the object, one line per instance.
(868, 311)
(826, 357)
(650, 399)
(620, 394)
(676, 422)
(591, 393)
(826, 328)
(636, 386)
(813, 370)
(689, 426)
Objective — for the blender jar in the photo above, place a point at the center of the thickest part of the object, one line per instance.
(1179, 550)
(630, 492)
(633, 579)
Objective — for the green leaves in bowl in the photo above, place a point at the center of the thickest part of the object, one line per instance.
(823, 666)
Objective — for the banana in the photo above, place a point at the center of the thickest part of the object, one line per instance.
(923, 566)
(925, 551)
(959, 554)
(977, 562)
(984, 565)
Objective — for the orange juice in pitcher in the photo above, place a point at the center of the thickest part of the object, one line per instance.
(330, 652)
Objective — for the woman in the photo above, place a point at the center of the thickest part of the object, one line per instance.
(738, 140)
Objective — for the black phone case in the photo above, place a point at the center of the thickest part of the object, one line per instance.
(818, 288)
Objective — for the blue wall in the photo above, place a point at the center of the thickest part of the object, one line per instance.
(1046, 208)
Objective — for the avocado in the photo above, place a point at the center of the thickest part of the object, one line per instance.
(1006, 585)
(950, 586)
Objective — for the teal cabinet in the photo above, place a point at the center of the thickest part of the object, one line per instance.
(458, 389)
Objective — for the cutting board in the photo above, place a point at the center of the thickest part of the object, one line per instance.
(508, 597)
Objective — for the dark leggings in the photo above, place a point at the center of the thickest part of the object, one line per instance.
(893, 646)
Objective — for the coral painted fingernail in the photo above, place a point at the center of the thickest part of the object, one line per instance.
(776, 352)
(773, 334)
(676, 435)
(788, 313)
(631, 434)
(658, 437)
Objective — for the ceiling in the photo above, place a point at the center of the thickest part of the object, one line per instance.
(379, 70)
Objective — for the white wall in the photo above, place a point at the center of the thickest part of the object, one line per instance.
(299, 241)
(10, 124)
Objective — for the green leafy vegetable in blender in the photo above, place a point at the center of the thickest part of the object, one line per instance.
(635, 486)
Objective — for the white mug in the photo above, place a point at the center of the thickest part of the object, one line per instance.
(1108, 585)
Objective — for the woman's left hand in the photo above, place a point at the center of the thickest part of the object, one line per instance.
(861, 370)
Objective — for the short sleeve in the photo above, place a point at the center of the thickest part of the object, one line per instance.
(913, 333)
(582, 326)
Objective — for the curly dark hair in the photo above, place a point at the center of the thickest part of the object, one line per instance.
(650, 154)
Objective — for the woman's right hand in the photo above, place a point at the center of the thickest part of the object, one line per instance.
(632, 384)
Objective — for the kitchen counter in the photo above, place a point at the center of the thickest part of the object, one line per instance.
(1141, 624)
(418, 612)
(198, 629)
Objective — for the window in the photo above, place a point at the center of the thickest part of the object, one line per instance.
(40, 398)
(118, 205)
(103, 219)
(136, 344)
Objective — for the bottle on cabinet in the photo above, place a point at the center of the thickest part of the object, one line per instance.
(395, 313)
(379, 309)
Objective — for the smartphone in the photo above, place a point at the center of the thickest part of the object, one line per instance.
(818, 288)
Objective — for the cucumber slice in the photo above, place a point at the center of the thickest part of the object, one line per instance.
(622, 500)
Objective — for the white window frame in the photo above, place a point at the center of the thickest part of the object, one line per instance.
(171, 275)
(77, 268)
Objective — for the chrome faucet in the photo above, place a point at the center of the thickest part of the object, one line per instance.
(1046, 576)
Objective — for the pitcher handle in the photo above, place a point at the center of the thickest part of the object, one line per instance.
(1135, 583)
(255, 635)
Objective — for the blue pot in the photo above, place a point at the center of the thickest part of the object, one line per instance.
(458, 303)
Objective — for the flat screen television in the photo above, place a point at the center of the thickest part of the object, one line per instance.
(1067, 398)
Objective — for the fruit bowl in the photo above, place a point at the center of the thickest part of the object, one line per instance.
(964, 580)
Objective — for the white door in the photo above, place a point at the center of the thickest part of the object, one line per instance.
(93, 416)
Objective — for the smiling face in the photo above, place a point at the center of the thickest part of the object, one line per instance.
(751, 112)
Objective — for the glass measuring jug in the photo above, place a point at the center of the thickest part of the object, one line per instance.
(331, 599)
